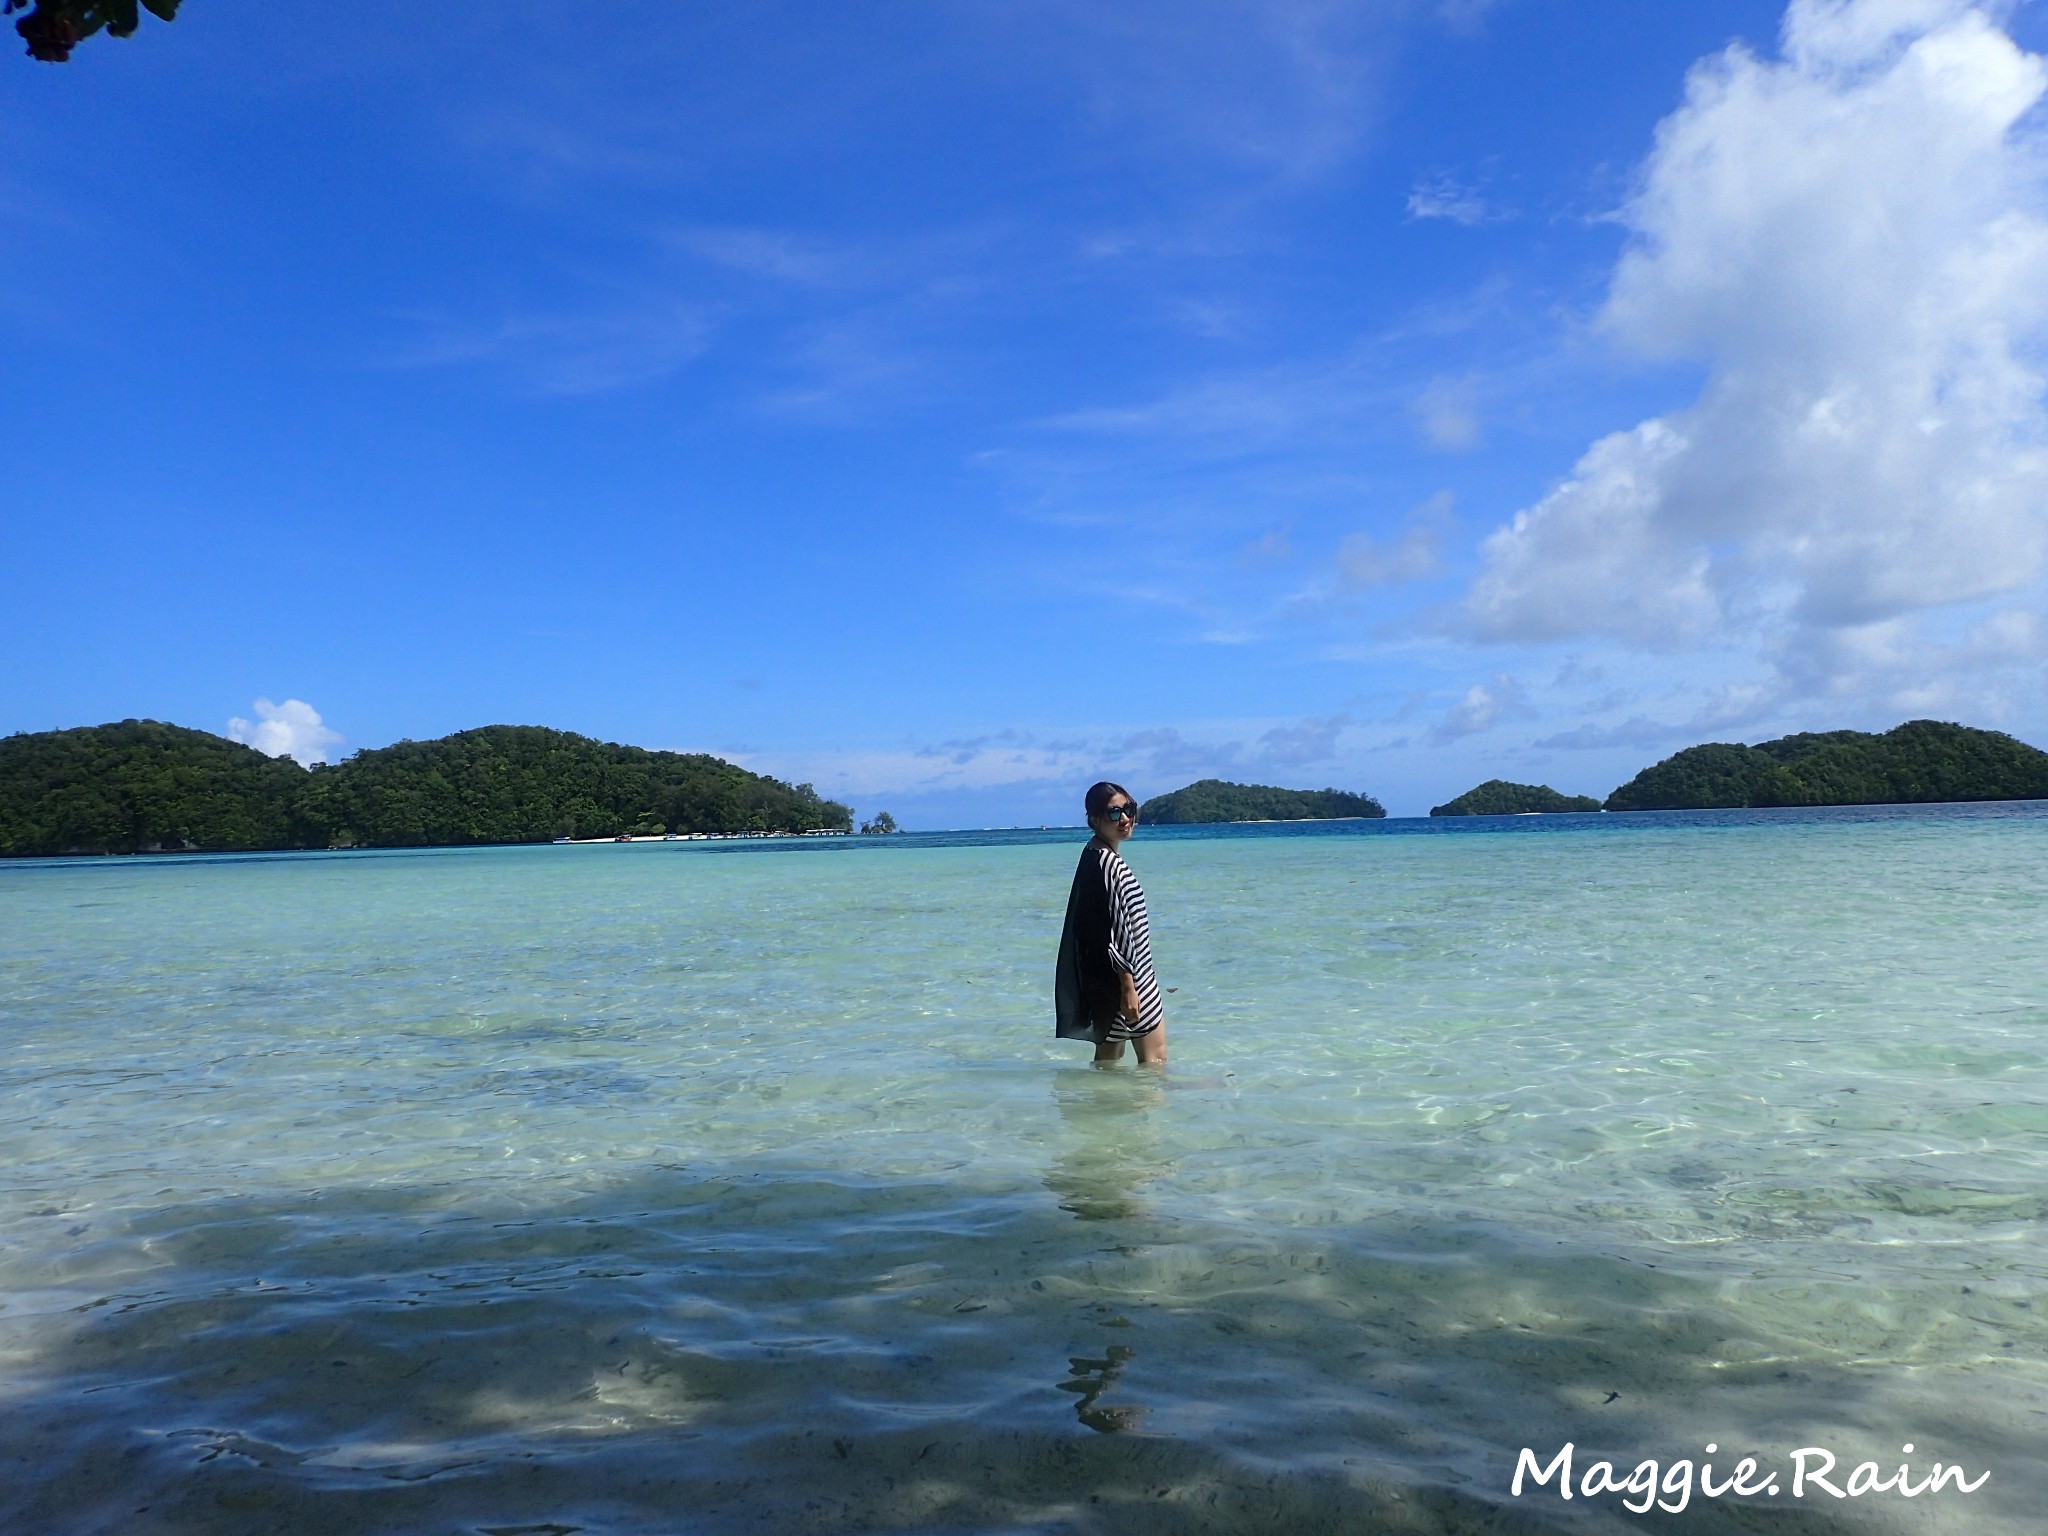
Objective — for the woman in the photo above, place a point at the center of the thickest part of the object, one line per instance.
(1105, 990)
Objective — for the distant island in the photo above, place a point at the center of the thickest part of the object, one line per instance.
(1212, 800)
(1497, 797)
(141, 786)
(1919, 762)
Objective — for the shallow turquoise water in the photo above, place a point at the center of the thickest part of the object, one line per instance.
(742, 1186)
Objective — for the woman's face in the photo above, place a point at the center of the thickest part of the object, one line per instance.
(1118, 820)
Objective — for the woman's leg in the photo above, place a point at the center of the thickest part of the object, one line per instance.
(1107, 1051)
(1151, 1047)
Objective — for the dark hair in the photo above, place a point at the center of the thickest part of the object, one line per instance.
(1099, 796)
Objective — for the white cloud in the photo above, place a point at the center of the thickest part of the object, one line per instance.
(1441, 195)
(291, 729)
(1464, 15)
(774, 254)
(1363, 561)
(1157, 757)
(588, 352)
(1449, 411)
(1483, 707)
(1636, 731)
(1979, 667)
(1305, 742)
(1285, 86)
(1852, 239)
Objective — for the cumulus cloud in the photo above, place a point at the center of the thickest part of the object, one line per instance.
(291, 729)
(1851, 238)
(1979, 668)
(1483, 707)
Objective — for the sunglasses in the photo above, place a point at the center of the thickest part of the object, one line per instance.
(1122, 813)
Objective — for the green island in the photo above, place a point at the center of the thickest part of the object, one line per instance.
(1213, 800)
(1497, 797)
(1920, 762)
(141, 786)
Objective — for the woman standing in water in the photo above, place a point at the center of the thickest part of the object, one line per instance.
(1105, 990)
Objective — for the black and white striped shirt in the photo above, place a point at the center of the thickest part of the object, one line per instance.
(1107, 936)
(1130, 944)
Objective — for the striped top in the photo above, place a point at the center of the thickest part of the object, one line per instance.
(1130, 939)
(1107, 932)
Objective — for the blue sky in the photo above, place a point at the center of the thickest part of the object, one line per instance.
(949, 404)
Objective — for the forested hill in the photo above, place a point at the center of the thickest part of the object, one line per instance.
(524, 783)
(141, 786)
(1922, 761)
(1210, 800)
(1498, 797)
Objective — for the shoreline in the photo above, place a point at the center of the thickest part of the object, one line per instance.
(1969, 810)
(655, 837)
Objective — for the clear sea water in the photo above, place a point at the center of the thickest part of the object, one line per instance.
(742, 1186)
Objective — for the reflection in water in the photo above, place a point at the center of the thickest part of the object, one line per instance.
(1115, 1146)
(1092, 1378)
(1114, 1149)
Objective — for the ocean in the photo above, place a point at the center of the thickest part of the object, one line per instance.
(743, 1187)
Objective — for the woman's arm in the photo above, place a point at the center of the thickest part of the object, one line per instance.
(1128, 987)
